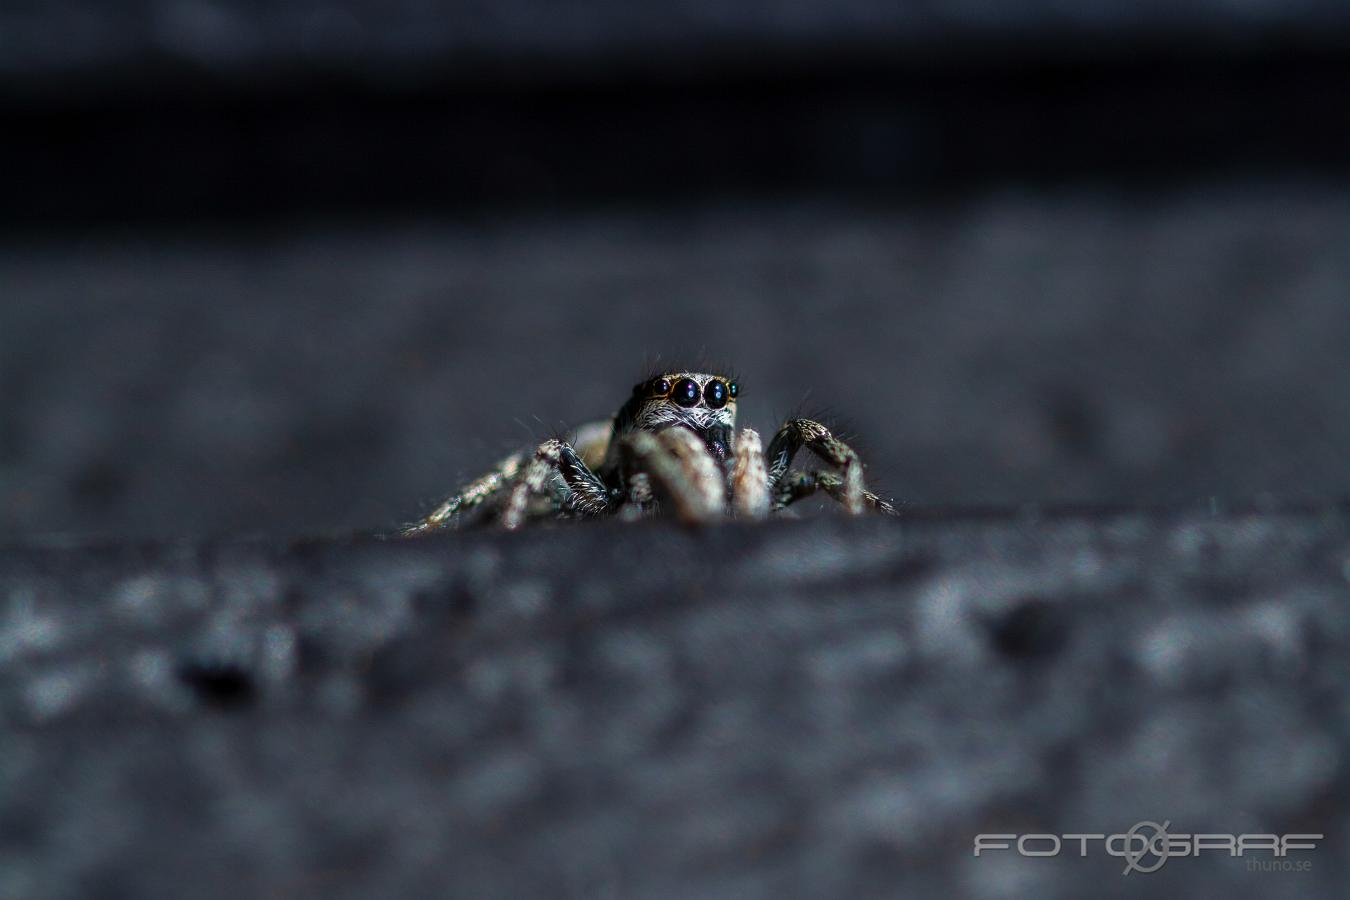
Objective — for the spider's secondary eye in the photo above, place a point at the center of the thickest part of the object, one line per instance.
(715, 394)
(661, 387)
(733, 389)
(686, 392)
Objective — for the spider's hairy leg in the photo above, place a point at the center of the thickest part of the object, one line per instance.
(749, 477)
(589, 496)
(798, 433)
(469, 497)
(680, 469)
(799, 485)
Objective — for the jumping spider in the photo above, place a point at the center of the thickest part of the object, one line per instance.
(674, 441)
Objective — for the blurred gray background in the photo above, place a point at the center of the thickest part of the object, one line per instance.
(303, 267)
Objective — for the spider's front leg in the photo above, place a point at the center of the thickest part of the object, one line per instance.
(847, 487)
(589, 495)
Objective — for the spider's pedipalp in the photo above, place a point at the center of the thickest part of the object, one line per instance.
(749, 487)
(701, 476)
(680, 470)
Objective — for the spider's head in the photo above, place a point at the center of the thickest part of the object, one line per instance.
(701, 402)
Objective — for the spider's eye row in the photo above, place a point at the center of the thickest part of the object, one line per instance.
(686, 392)
(715, 393)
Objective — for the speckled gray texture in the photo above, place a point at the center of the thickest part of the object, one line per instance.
(822, 708)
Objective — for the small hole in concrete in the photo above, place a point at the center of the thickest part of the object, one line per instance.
(222, 685)
(1035, 629)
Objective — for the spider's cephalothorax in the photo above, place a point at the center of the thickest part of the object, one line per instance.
(673, 444)
(704, 404)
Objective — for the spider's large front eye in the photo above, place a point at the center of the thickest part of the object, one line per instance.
(686, 392)
(715, 393)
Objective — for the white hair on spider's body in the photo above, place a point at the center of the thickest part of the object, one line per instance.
(660, 415)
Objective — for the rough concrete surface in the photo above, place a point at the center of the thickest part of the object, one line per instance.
(823, 708)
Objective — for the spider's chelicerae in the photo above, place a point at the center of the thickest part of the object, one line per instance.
(674, 444)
